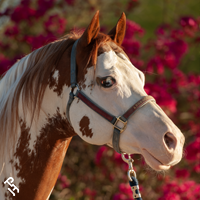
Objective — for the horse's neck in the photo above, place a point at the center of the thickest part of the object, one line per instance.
(39, 151)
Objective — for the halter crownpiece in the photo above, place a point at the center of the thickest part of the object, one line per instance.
(117, 130)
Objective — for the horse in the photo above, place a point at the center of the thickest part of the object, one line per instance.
(38, 119)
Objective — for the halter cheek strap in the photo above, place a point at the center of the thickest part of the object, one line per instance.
(117, 130)
(72, 79)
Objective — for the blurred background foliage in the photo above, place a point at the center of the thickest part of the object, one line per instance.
(163, 41)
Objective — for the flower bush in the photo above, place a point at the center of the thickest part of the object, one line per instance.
(91, 172)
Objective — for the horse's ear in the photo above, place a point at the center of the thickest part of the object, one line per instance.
(118, 32)
(91, 32)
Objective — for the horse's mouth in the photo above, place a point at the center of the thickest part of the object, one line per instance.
(153, 162)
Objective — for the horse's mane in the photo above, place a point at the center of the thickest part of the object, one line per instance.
(27, 80)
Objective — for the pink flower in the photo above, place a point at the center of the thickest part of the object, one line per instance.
(125, 192)
(64, 182)
(132, 29)
(39, 40)
(170, 49)
(22, 13)
(178, 47)
(99, 154)
(163, 98)
(197, 191)
(197, 168)
(170, 196)
(70, 2)
(132, 4)
(131, 47)
(4, 64)
(119, 197)
(190, 25)
(137, 63)
(178, 81)
(188, 21)
(12, 31)
(188, 190)
(182, 173)
(177, 34)
(118, 158)
(195, 79)
(170, 60)
(193, 150)
(36, 41)
(4, 46)
(90, 193)
(55, 24)
(163, 30)
(43, 7)
(155, 64)
(125, 188)
(197, 40)
(194, 127)
(25, 2)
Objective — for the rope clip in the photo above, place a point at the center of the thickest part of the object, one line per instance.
(129, 161)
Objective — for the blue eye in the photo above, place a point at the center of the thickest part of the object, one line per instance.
(107, 81)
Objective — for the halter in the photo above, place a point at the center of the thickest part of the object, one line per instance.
(90, 103)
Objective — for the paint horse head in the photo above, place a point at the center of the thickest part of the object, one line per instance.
(35, 132)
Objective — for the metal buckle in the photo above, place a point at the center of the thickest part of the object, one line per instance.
(72, 88)
(117, 127)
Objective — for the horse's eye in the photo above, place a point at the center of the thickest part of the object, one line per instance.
(107, 81)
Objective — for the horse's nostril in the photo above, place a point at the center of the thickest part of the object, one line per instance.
(170, 140)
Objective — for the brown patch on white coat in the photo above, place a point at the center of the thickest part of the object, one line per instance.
(39, 168)
(84, 127)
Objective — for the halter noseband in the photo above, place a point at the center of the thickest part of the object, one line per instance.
(90, 103)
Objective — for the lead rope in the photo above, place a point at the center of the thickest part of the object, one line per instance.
(132, 177)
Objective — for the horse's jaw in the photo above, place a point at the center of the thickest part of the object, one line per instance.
(153, 162)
